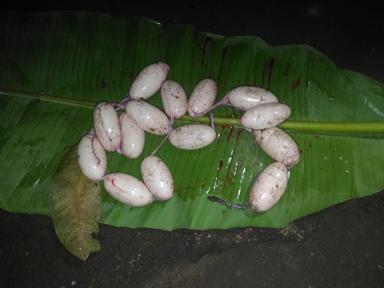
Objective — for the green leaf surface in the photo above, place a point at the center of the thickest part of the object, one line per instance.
(84, 58)
(74, 202)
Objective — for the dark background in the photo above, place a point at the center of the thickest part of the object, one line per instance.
(349, 32)
(339, 247)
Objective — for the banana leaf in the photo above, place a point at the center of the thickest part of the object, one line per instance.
(54, 67)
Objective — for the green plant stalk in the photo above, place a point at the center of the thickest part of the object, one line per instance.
(308, 126)
(48, 98)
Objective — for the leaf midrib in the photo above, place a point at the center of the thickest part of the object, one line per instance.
(306, 126)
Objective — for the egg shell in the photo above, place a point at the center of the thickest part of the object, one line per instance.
(107, 126)
(191, 137)
(247, 97)
(202, 98)
(269, 187)
(132, 137)
(157, 177)
(265, 116)
(127, 189)
(174, 99)
(148, 117)
(91, 158)
(148, 81)
(279, 145)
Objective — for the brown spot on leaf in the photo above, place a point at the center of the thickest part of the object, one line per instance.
(295, 84)
(267, 73)
(230, 133)
(238, 135)
(220, 165)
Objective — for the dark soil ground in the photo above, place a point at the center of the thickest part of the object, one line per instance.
(339, 247)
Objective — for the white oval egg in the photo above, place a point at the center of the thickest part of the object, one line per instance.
(174, 99)
(265, 116)
(279, 145)
(148, 81)
(107, 127)
(127, 189)
(202, 98)
(269, 187)
(191, 137)
(92, 158)
(157, 177)
(247, 97)
(132, 137)
(148, 117)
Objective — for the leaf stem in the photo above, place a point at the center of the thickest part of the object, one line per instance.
(306, 126)
(339, 126)
(49, 98)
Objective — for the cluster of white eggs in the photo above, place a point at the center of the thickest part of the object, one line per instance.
(121, 127)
